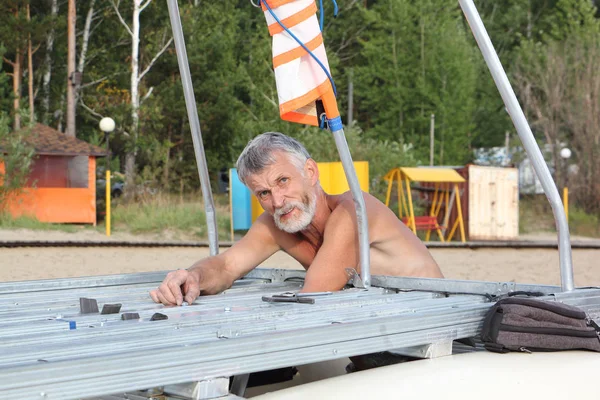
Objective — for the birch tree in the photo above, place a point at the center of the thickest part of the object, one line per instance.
(48, 64)
(82, 59)
(136, 76)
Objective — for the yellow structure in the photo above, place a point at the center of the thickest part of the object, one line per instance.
(107, 217)
(566, 202)
(333, 181)
(445, 182)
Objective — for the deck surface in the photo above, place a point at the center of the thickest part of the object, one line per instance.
(50, 350)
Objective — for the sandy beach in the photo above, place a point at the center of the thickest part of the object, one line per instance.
(519, 265)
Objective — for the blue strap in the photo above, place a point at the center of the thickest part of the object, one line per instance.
(335, 124)
(322, 13)
(303, 46)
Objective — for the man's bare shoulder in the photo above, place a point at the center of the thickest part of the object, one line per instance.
(383, 223)
(343, 214)
(345, 203)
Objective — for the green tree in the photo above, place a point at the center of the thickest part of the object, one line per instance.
(16, 159)
(417, 60)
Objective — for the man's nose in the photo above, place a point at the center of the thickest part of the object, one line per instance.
(278, 198)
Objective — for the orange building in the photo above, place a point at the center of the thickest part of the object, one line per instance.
(62, 182)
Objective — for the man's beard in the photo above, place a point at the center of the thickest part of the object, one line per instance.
(300, 222)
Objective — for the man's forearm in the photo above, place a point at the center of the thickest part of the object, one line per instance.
(212, 274)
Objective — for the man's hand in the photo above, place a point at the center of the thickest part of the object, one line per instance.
(176, 285)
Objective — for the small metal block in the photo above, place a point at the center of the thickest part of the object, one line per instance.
(227, 333)
(287, 298)
(158, 317)
(130, 315)
(88, 306)
(111, 308)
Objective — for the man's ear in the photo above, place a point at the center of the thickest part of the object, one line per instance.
(312, 171)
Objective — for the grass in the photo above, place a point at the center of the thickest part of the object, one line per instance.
(183, 217)
(584, 224)
(535, 215)
(163, 212)
(27, 222)
(180, 216)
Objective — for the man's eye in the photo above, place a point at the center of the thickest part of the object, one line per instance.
(263, 194)
(284, 180)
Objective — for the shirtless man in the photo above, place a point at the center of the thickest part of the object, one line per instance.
(317, 229)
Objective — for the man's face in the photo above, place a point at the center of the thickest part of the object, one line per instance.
(286, 192)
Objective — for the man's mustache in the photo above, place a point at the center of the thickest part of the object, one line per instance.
(286, 209)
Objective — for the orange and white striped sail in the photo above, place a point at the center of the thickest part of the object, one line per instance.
(301, 81)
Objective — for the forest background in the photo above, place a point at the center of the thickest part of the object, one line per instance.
(405, 60)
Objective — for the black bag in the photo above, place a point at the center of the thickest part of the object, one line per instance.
(522, 324)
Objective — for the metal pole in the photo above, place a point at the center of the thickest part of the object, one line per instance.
(359, 204)
(190, 102)
(431, 142)
(527, 138)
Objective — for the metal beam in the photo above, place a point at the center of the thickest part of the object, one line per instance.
(527, 138)
(190, 102)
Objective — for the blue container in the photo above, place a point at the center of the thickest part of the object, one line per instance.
(240, 202)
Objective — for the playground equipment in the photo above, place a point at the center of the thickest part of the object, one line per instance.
(51, 350)
(445, 193)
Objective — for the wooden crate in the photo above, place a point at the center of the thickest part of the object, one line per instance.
(493, 203)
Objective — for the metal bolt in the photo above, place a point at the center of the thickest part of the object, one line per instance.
(334, 351)
(43, 394)
(227, 309)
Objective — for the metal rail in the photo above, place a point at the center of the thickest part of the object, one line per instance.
(527, 138)
(190, 102)
(501, 244)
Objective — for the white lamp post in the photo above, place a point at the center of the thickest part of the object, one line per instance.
(107, 125)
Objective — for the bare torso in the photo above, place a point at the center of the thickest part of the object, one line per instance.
(394, 249)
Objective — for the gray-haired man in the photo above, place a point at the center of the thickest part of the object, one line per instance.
(317, 229)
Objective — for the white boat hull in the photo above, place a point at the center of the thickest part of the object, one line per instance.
(476, 375)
